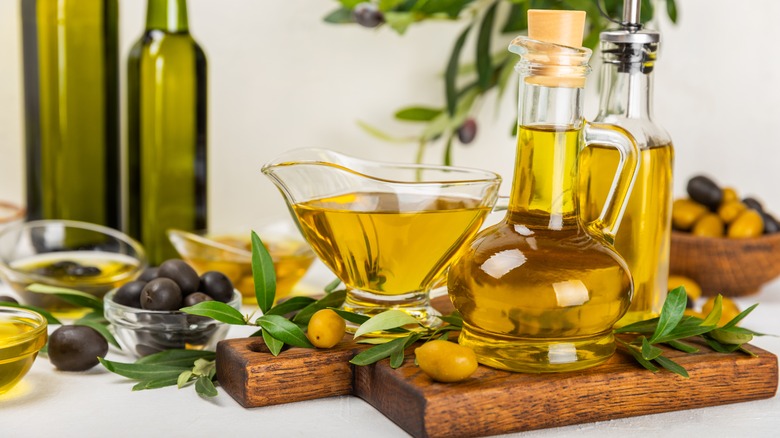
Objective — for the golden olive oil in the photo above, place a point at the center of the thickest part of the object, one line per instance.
(389, 243)
(536, 291)
(16, 353)
(114, 270)
(644, 233)
(291, 261)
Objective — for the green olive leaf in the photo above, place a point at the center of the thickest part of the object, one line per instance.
(72, 296)
(183, 379)
(734, 321)
(339, 16)
(417, 114)
(156, 383)
(352, 317)
(216, 310)
(263, 273)
(377, 353)
(102, 329)
(682, 346)
(51, 319)
(330, 287)
(284, 330)
(389, 319)
(143, 372)
(671, 313)
(333, 299)
(717, 310)
(177, 358)
(484, 62)
(205, 387)
(671, 366)
(291, 305)
(650, 352)
(633, 351)
(451, 72)
(274, 345)
(647, 326)
(454, 319)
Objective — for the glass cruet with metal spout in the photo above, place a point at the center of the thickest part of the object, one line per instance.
(629, 54)
(541, 290)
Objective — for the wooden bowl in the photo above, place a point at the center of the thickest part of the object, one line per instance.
(730, 267)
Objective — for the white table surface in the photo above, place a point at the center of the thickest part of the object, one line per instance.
(97, 403)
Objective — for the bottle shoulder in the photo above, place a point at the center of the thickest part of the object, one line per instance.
(648, 133)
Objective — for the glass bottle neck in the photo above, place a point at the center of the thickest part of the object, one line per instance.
(626, 91)
(549, 139)
(167, 15)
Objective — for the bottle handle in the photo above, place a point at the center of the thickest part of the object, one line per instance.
(606, 225)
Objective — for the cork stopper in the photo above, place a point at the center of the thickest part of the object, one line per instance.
(562, 28)
(565, 28)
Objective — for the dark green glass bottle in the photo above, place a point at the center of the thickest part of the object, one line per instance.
(71, 105)
(166, 130)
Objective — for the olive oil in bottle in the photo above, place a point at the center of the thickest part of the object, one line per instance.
(644, 237)
(71, 110)
(166, 130)
(541, 290)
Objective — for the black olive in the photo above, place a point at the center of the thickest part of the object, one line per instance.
(704, 191)
(76, 348)
(64, 265)
(216, 285)
(771, 225)
(130, 294)
(83, 271)
(754, 204)
(161, 294)
(149, 274)
(368, 15)
(7, 299)
(195, 298)
(689, 303)
(467, 131)
(182, 273)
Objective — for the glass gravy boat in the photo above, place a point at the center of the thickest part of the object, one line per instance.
(387, 231)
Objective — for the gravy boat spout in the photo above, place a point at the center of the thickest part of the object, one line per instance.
(387, 230)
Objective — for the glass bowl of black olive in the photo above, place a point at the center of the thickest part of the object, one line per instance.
(145, 316)
(76, 255)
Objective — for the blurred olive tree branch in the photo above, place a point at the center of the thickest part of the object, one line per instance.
(466, 84)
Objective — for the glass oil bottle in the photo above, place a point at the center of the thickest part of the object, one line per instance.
(629, 55)
(541, 290)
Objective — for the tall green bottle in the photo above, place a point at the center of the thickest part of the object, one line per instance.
(166, 130)
(71, 106)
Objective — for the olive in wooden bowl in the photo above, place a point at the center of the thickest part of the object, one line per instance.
(727, 245)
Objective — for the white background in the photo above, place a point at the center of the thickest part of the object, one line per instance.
(282, 79)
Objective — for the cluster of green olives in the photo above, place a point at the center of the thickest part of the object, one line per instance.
(174, 285)
(712, 211)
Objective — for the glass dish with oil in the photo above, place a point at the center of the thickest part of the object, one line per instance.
(231, 254)
(76, 255)
(22, 334)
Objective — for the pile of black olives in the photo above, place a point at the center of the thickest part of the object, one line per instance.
(172, 286)
(713, 211)
(68, 268)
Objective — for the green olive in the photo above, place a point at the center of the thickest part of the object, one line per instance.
(746, 225)
(445, 361)
(729, 194)
(685, 213)
(730, 210)
(709, 225)
(326, 328)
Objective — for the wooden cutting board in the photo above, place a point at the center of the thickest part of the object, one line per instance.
(492, 401)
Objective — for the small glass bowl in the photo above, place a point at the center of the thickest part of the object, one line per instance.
(144, 332)
(22, 334)
(45, 252)
(231, 254)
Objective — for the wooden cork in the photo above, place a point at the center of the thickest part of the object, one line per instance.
(564, 28)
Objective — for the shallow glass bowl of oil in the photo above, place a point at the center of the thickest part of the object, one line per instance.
(22, 335)
(231, 254)
(76, 255)
(143, 332)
